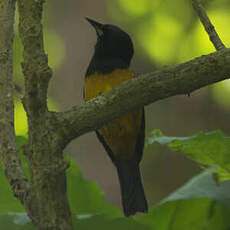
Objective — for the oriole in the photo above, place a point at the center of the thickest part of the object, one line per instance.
(122, 138)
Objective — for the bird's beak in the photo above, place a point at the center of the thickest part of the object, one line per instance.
(97, 26)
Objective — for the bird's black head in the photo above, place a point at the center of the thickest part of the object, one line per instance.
(113, 50)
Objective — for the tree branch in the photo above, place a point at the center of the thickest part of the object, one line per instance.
(35, 65)
(8, 150)
(49, 208)
(146, 89)
(210, 29)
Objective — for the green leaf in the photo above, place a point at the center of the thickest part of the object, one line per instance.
(200, 186)
(85, 197)
(199, 204)
(211, 148)
(104, 223)
(194, 214)
(15, 221)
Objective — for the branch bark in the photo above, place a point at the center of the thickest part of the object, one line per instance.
(49, 208)
(143, 90)
(208, 26)
(35, 64)
(8, 150)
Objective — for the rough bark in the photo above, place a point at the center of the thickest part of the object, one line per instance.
(208, 26)
(49, 208)
(143, 90)
(8, 150)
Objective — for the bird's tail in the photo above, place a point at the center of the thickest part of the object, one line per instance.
(132, 192)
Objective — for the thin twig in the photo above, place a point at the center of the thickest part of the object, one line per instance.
(213, 36)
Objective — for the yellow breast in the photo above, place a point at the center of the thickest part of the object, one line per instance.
(121, 133)
(97, 84)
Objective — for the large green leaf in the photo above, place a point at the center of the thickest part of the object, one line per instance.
(199, 204)
(15, 221)
(105, 222)
(194, 214)
(200, 186)
(211, 148)
(85, 197)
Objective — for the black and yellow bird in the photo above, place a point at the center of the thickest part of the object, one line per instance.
(122, 138)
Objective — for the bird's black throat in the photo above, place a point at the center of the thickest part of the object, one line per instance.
(105, 66)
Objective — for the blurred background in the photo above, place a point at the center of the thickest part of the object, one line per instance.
(164, 32)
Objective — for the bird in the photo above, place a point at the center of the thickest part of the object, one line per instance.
(123, 137)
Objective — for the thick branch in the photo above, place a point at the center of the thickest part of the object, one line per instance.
(210, 29)
(35, 66)
(49, 208)
(170, 81)
(8, 150)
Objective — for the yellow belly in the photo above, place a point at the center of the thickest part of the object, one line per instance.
(119, 134)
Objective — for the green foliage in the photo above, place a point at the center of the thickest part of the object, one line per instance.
(211, 148)
(195, 214)
(85, 197)
(105, 222)
(199, 204)
(15, 221)
(203, 185)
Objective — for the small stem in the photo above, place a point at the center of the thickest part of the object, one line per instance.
(209, 28)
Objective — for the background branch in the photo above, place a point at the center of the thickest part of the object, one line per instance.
(210, 29)
(8, 150)
(146, 89)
